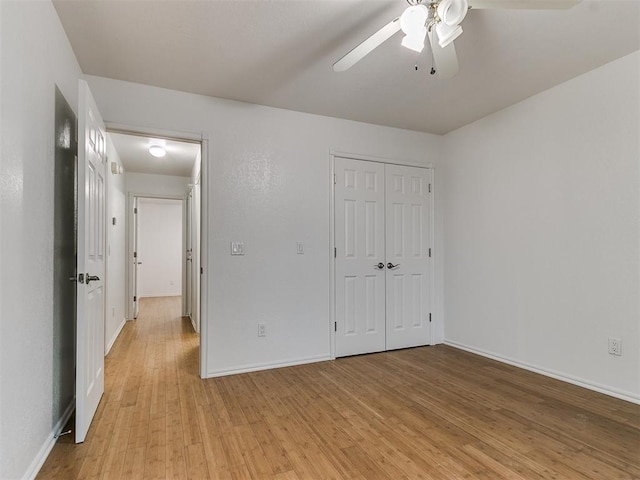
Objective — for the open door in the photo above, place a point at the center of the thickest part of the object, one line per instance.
(91, 261)
(136, 261)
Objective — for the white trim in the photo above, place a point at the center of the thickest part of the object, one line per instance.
(115, 337)
(153, 132)
(49, 443)
(256, 367)
(432, 257)
(130, 246)
(332, 260)
(373, 158)
(205, 171)
(580, 382)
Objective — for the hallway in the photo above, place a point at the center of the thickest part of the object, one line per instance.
(152, 389)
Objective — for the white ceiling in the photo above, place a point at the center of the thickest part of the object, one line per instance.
(134, 154)
(280, 53)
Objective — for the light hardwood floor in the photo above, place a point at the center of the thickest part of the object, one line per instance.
(422, 413)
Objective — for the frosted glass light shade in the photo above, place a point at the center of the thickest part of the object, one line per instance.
(157, 151)
(415, 42)
(447, 34)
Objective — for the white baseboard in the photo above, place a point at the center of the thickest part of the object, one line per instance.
(44, 452)
(580, 382)
(115, 337)
(266, 366)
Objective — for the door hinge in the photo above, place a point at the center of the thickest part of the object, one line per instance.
(135, 299)
(335, 326)
(201, 271)
(429, 317)
(335, 253)
(429, 188)
(135, 210)
(429, 253)
(135, 254)
(335, 178)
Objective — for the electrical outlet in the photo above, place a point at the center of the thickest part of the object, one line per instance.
(262, 330)
(615, 346)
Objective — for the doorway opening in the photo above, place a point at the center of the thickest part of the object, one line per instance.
(154, 223)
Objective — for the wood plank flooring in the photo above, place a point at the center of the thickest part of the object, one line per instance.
(422, 413)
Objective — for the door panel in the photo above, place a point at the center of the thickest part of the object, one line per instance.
(407, 240)
(91, 262)
(136, 260)
(359, 219)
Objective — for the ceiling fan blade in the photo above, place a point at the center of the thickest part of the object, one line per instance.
(359, 52)
(524, 4)
(445, 59)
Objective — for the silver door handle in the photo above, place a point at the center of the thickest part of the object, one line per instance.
(92, 278)
(379, 266)
(139, 263)
(391, 266)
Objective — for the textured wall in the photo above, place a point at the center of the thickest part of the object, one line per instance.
(34, 57)
(542, 220)
(269, 186)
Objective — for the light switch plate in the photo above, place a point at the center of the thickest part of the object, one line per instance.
(300, 248)
(237, 248)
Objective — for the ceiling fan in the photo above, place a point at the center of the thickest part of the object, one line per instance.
(439, 20)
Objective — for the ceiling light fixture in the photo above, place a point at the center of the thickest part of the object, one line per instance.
(157, 151)
(413, 23)
(451, 13)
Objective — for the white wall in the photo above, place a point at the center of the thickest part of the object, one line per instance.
(268, 181)
(116, 249)
(542, 205)
(160, 232)
(144, 183)
(34, 57)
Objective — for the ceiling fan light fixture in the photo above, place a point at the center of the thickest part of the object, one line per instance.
(413, 23)
(452, 12)
(157, 151)
(415, 42)
(447, 34)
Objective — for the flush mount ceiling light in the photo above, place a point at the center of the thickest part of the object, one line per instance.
(157, 151)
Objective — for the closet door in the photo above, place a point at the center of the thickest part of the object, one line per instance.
(360, 257)
(407, 256)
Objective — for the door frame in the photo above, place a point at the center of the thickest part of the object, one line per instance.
(130, 219)
(203, 139)
(332, 239)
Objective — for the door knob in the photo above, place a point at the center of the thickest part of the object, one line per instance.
(92, 278)
(379, 266)
(392, 266)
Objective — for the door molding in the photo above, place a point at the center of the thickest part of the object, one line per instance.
(333, 154)
(130, 219)
(205, 168)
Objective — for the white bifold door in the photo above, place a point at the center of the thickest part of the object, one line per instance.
(382, 258)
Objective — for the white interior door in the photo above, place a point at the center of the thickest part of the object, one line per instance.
(188, 304)
(136, 260)
(195, 310)
(91, 261)
(383, 254)
(360, 256)
(407, 256)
